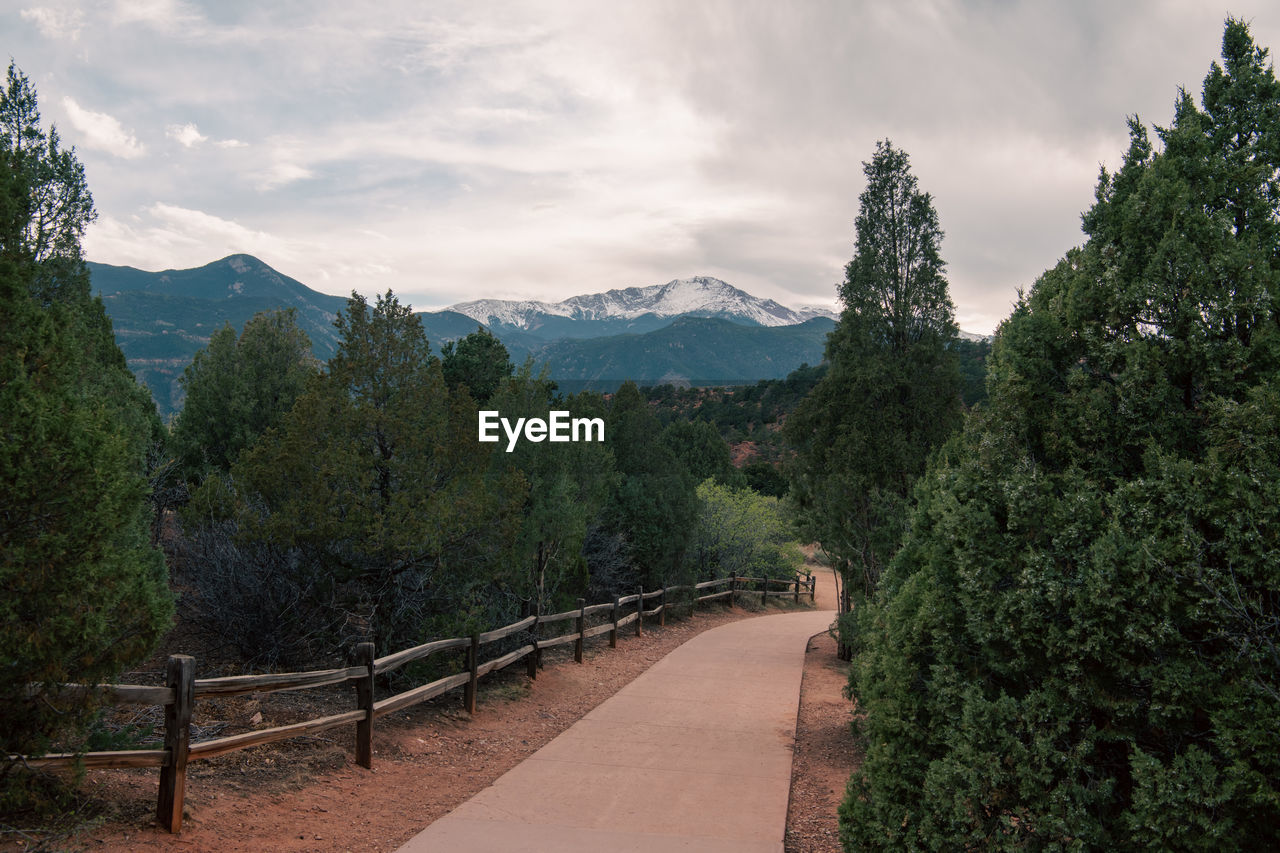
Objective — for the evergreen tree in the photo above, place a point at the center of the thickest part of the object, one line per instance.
(568, 484)
(892, 392)
(479, 362)
(376, 477)
(699, 446)
(84, 593)
(655, 504)
(236, 389)
(1076, 645)
(60, 205)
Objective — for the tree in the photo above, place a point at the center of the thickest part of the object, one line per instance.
(568, 484)
(654, 505)
(84, 593)
(376, 478)
(1076, 645)
(699, 446)
(743, 532)
(60, 205)
(479, 362)
(236, 389)
(892, 393)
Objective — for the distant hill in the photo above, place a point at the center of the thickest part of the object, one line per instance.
(162, 318)
(690, 350)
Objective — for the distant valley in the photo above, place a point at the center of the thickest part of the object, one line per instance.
(688, 331)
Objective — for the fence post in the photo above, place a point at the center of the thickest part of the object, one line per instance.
(797, 599)
(813, 588)
(473, 666)
(662, 614)
(531, 661)
(733, 582)
(640, 612)
(364, 700)
(180, 674)
(613, 635)
(582, 624)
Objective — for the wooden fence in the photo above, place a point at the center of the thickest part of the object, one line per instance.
(182, 688)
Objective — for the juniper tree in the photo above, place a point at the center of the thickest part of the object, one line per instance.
(84, 594)
(1076, 645)
(238, 387)
(376, 478)
(892, 392)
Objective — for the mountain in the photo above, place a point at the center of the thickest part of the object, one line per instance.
(690, 351)
(631, 310)
(162, 319)
(698, 330)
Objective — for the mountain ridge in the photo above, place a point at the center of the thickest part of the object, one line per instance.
(161, 319)
(626, 309)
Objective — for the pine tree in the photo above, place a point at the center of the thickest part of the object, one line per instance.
(478, 361)
(655, 504)
(892, 392)
(1077, 644)
(375, 477)
(237, 388)
(84, 593)
(568, 484)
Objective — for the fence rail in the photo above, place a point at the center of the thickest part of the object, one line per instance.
(182, 688)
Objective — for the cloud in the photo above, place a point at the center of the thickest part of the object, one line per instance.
(102, 131)
(282, 174)
(164, 236)
(187, 134)
(55, 23)
(554, 147)
(160, 14)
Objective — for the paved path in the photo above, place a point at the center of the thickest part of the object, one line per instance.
(694, 755)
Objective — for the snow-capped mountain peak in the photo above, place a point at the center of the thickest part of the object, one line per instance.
(700, 296)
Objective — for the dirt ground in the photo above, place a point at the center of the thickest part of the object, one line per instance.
(309, 795)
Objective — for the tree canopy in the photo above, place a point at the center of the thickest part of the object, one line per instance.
(376, 479)
(237, 388)
(892, 391)
(1076, 644)
(84, 593)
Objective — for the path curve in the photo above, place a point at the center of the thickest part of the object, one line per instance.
(694, 755)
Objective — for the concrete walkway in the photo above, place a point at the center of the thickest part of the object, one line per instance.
(694, 755)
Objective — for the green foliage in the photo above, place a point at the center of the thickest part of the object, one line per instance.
(84, 593)
(236, 389)
(478, 362)
(704, 453)
(892, 393)
(765, 479)
(375, 477)
(1076, 646)
(59, 205)
(654, 505)
(568, 484)
(743, 532)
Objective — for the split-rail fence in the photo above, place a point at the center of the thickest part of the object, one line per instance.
(182, 688)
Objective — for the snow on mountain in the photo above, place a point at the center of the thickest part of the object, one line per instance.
(701, 296)
(810, 311)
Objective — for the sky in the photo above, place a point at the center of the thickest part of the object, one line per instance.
(451, 151)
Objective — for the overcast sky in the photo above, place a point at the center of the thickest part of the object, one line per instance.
(452, 151)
